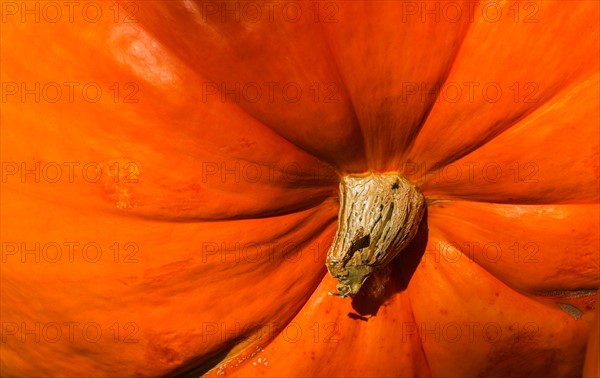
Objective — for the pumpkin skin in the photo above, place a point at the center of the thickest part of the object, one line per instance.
(168, 300)
(591, 367)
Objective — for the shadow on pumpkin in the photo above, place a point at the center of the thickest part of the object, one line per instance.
(201, 367)
(392, 279)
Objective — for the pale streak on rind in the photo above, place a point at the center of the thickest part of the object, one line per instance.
(384, 206)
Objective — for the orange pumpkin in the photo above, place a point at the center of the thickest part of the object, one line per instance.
(591, 367)
(170, 174)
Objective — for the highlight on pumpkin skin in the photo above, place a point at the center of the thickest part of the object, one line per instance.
(379, 216)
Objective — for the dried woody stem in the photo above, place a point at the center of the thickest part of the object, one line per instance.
(379, 216)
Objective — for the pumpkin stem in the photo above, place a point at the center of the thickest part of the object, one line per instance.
(379, 216)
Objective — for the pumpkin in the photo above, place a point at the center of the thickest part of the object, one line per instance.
(170, 175)
(591, 367)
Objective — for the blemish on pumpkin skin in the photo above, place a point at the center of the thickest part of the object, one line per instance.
(506, 359)
(571, 310)
(118, 178)
(123, 199)
(161, 355)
